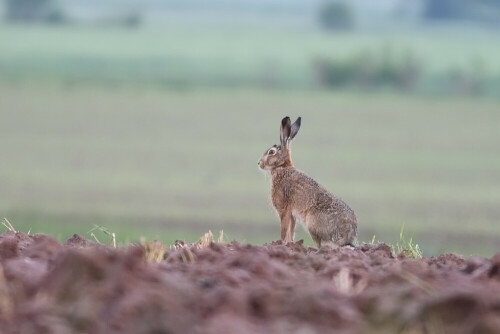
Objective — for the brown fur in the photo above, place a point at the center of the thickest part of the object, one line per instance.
(295, 195)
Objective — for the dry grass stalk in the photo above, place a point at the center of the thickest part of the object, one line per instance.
(345, 284)
(111, 235)
(95, 237)
(208, 238)
(113, 239)
(187, 255)
(154, 251)
(343, 281)
(8, 225)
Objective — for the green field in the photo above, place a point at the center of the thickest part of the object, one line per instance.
(156, 131)
(176, 164)
(181, 56)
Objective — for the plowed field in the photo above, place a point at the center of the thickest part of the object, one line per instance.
(83, 287)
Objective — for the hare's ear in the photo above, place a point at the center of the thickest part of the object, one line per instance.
(286, 125)
(295, 128)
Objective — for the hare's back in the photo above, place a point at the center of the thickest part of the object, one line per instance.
(320, 198)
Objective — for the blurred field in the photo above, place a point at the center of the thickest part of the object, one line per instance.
(181, 56)
(175, 164)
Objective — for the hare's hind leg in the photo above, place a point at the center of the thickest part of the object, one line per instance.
(345, 234)
(316, 239)
(317, 229)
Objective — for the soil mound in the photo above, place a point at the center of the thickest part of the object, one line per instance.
(83, 287)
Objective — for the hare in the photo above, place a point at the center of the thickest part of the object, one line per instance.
(297, 196)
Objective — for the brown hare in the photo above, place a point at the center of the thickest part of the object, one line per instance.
(297, 196)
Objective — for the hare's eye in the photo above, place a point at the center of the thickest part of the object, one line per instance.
(272, 151)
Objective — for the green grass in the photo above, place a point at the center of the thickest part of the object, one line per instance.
(406, 246)
(172, 165)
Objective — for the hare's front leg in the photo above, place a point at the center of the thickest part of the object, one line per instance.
(291, 230)
(286, 222)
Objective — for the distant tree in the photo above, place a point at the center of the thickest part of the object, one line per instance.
(33, 11)
(56, 16)
(336, 16)
(26, 10)
(477, 10)
(132, 19)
